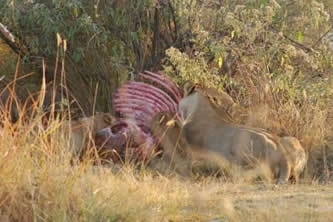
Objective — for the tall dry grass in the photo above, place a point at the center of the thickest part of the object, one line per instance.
(39, 182)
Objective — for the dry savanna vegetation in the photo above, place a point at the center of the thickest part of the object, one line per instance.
(272, 57)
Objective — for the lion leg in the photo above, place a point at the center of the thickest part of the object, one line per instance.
(293, 177)
(285, 171)
(181, 165)
(179, 159)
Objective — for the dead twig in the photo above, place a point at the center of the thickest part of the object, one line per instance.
(321, 37)
(297, 44)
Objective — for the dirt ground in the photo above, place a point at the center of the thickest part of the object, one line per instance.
(269, 202)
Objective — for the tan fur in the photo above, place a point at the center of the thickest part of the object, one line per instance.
(296, 156)
(231, 111)
(83, 130)
(168, 129)
(206, 132)
(222, 103)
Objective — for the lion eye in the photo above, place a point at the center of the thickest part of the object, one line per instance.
(216, 101)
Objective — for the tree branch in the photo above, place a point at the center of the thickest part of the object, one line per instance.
(9, 39)
(156, 34)
(172, 10)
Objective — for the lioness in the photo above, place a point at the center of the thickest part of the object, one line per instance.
(221, 101)
(168, 129)
(206, 130)
(83, 130)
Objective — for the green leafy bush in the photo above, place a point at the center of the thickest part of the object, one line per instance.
(106, 41)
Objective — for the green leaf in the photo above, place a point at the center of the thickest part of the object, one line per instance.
(220, 61)
(76, 12)
(300, 36)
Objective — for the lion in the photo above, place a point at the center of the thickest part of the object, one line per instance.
(168, 129)
(234, 112)
(209, 131)
(82, 131)
(221, 101)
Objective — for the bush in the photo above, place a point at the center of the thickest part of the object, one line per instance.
(106, 42)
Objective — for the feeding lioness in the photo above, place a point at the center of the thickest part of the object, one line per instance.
(223, 103)
(168, 129)
(81, 131)
(207, 132)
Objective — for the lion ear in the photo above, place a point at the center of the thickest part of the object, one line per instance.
(108, 118)
(191, 90)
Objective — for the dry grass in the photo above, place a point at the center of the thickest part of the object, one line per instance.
(307, 122)
(38, 183)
